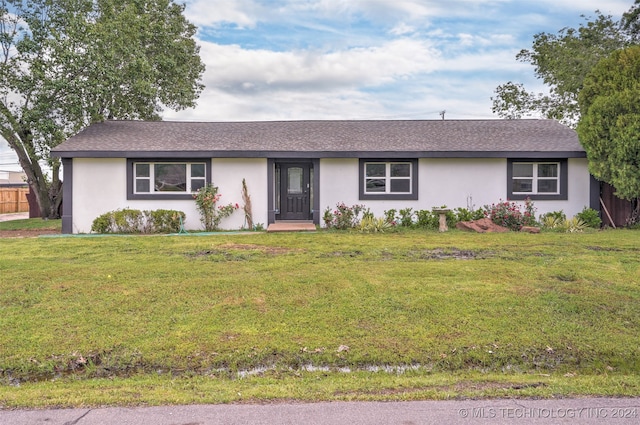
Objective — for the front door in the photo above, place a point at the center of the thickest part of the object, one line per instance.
(295, 191)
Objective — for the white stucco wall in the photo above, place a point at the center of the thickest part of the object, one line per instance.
(454, 182)
(578, 191)
(227, 174)
(462, 182)
(450, 182)
(99, 186)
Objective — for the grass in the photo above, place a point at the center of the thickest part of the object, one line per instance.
(31, 224)
(320, 316)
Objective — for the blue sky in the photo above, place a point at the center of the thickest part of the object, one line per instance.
(369, 59)
(366, 59)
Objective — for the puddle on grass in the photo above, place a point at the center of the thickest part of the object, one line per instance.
(451, 253)
(446, 254)
(390, 369)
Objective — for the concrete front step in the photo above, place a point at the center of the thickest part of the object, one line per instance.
(292, 226)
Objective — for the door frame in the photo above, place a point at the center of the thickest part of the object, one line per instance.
(272, 190)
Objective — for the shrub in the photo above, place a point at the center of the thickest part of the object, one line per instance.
(371, 224)
(207, 199)
(102, 223)
(427, 219)
(136, 221)
(552, 222)
(128, 221)
(450, 216)
(508, 214)
(464, 214)
(164, 221)
(390, 216)
(590, 217)
(406, 217)
(343, 217)
(574, 225)
(557, 215)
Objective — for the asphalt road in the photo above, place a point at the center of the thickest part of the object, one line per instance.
(585, 411)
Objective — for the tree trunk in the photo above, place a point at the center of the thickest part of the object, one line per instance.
(635, 212)
(48, 194)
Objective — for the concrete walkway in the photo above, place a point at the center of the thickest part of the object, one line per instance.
(14, 216)
(586, 411)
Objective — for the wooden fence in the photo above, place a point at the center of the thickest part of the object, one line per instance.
(13, 200)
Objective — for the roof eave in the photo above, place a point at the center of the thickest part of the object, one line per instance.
(317, 154)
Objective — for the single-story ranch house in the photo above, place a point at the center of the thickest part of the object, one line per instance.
(294, 170)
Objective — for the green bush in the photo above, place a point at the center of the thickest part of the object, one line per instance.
(464, 214)
(426, 219)
(552, 222)
(451, 217)
(102, 223)
(344, 217)
(136, 221)
(406, 217)
(590, 217)
(164, 221)
(371, 224)
(390, 216)
(128, 221)
(508, 214)
(574, 225)
(557, 215)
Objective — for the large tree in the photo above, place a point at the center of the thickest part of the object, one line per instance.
(631, 22)
(65, 64)
(609, 127)
(561, 61)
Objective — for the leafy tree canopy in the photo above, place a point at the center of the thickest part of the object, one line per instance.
(609, 128)
(562, 61)
(65, 64)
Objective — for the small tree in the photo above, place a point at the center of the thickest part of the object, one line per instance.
(609, 128)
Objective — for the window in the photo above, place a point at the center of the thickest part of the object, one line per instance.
(395, 179)
(166, 179)
(543, 180)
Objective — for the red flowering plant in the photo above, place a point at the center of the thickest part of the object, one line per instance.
(343, 217)
(207, 199)
(508, 214)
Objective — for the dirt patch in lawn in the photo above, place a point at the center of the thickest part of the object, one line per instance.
(238, 252)
(27, 233)
(251, 247)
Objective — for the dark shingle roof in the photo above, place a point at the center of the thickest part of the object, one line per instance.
(414, 138)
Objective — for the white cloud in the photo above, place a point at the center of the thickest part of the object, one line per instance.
(614, 7)
(402, 29)
(204, 13)
(234, 69)
(373, 59)
(403, 78)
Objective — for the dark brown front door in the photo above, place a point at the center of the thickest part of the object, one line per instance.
(295, 191)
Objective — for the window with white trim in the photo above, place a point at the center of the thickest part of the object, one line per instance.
(536, 178)
(168, 177)
(396, 179)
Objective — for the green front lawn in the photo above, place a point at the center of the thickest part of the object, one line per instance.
(31, 224)
(317, 316)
